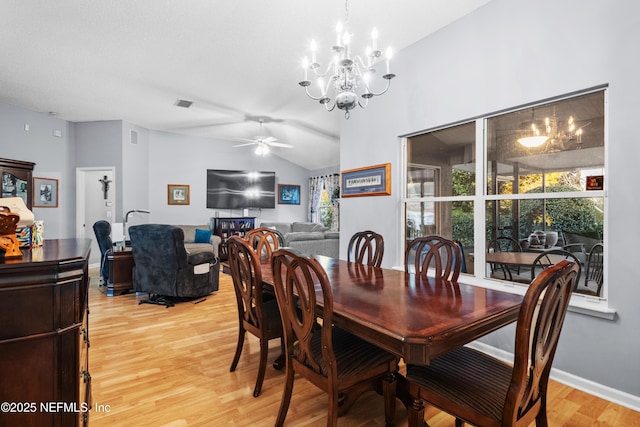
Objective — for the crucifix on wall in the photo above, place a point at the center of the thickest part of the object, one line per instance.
(105, 186)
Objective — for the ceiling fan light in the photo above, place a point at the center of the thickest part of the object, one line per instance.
(262, 149)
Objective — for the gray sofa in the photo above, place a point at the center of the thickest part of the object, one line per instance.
(190, 239)
(308, 237)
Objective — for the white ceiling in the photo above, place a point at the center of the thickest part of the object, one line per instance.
(92, 60)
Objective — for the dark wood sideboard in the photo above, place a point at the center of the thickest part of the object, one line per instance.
(44, 336)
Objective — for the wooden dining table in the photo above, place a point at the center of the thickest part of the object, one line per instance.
(417, 319)
(521, 258)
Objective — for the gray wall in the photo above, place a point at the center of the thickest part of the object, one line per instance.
(179, 159)
(54, 158)
(143, 169)
(99, 145)
(135, 169)
(508, 53)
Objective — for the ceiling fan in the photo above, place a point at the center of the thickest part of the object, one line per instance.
(263, 143)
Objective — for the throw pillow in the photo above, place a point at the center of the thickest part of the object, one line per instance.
(202, 236)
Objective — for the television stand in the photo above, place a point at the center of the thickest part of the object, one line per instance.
(227, 227)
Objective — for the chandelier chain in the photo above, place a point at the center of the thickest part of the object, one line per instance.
(346, 11)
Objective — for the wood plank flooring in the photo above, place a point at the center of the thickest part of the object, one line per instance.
(153, 366)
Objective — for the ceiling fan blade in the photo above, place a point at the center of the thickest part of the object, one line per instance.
(245, 139)
(244, 145)
(279, 144)
(269, 139)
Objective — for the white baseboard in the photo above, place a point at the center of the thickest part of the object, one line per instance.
(612, 395)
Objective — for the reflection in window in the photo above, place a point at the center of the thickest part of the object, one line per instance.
(549, 150)
(539, 171)
(441, 164)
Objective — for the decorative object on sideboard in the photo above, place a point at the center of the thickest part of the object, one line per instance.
(9, 247)
(45, 193)
(350, 75)
(23, 232)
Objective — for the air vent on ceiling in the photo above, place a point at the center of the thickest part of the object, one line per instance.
(183, 103)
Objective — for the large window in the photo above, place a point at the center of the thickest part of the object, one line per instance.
(540, 184)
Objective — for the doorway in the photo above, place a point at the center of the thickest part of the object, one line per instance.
(94, 204)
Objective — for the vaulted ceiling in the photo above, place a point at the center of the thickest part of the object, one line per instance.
(237, 61)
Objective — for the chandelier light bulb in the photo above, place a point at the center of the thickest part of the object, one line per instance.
(305, 67)
(314, 48)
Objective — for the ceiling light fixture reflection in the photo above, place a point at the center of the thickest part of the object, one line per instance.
(555, 132)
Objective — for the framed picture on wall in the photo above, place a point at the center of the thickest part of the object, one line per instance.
(367, 181)
(45, 193)
(288, 194)
(178, 194)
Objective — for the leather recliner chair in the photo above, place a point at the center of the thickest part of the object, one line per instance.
(166, 270)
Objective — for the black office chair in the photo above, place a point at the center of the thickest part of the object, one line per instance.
(102, 230)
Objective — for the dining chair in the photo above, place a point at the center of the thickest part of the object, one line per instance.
(543, 261)
(481, 390)
(257, 315)
(463, 263)
(594, 272)
(437, 252)
(366, 247)
(327, 356)
(503, 271)
(264, 241)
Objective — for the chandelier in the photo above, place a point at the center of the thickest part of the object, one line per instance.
(348, 76)
(554, 133)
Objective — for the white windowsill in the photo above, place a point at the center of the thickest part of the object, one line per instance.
(583, 304)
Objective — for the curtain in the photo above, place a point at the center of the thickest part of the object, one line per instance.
(316, 184)
(332, 185)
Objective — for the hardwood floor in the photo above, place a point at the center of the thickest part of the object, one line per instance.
(155, 366)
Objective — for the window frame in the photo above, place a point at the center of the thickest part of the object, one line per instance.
(586, 304)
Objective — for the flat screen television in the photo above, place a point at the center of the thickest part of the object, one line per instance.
(233, 189)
